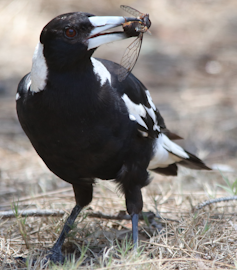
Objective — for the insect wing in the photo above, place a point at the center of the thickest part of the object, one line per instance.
(130, 57)
(131, 10)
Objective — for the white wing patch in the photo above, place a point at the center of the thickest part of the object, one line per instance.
(150, 100)
(39, 70)
(140, 111)
(101, 71)
(151, 111)
(133, 118)
(136, 111)
(166, 152)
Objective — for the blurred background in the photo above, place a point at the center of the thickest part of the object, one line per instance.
(189, 64)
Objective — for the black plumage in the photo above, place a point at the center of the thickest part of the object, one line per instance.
(85, 124)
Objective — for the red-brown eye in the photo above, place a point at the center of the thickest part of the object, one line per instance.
(70, 32)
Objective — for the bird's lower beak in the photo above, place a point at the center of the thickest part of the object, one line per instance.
(98, 37)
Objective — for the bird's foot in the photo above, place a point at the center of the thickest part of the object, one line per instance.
(54, 255)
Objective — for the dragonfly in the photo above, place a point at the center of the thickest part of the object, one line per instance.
(133, 29)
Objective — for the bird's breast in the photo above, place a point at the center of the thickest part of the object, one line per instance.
(77, 131)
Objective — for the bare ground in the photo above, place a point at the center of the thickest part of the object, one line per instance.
(189, 64)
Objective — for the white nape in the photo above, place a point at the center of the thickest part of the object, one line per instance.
(166, 152)
(101, 71)
(39, 70)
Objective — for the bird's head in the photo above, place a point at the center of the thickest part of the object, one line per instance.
(71, 38)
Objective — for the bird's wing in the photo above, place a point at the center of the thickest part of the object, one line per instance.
(143, 111)
(23, 86)
(138, 102)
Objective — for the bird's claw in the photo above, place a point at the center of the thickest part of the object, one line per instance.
(54, 256)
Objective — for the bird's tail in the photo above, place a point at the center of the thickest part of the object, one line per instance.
(168, 154)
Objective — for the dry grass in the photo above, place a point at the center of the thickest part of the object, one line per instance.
(199, 240)
(190, 67)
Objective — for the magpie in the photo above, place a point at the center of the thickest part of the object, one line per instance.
(86, 124)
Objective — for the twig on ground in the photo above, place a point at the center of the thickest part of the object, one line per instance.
(32, 212)
(223, 199)
(123, 216)
(57, 212)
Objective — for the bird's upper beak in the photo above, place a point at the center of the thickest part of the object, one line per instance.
(98, 37)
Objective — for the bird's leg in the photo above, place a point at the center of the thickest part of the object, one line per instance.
(134, 204)
(135, 218)
(55, 252)
(131, 178)
(55, 255)
(83, 196)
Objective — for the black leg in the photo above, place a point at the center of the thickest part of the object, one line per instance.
(135, 218)
(55, 252)
(131, 180)
(83, 196)
(134, 207)
(55, 255)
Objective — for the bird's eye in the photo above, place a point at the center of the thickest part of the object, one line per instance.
(70, 32)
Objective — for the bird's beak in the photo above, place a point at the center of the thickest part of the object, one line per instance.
(98, 37)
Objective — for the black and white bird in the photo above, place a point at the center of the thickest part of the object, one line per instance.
(85, 124)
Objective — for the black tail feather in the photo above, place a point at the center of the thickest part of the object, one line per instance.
(172, 169)
(172, 136)
(193, 163)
